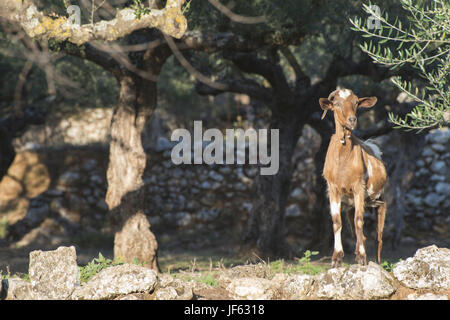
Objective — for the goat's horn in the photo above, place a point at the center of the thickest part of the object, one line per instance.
(332, 94)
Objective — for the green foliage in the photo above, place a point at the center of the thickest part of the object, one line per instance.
(388, 266)
(139, 8)
(307, 256)
(423, 42)
(95, 266)
(303, 265)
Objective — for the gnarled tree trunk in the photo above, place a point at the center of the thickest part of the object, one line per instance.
(265, 230)
(127, 160)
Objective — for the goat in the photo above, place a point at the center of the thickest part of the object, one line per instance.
(354, 172)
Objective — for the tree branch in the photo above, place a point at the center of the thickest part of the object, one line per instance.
(169, 20)
(300, 76)
(271, 72)
(237, 85)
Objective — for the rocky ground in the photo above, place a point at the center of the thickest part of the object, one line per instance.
(56, 275)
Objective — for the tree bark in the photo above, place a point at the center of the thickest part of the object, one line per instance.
(127, 159)
(265, 230)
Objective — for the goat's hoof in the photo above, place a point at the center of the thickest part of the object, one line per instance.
(336, 260)
(361, 260)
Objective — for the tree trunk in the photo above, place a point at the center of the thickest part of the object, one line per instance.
(265, 229)
(125, 195)
(321, 218)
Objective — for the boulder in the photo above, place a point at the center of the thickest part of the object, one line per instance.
(169, 288)
(427, 296)
(251, 289)
(428, 269)
(354, 282)
(117, 280)
(294, 287)
(53, 274)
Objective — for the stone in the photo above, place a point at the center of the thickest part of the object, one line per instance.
(293, 211)
(428, 269)
(15, 289)
(169, 288)
(438, 147)
(427, 296)
(438, 167)
(443, 188)
(354, 282)
(294, 287)
(251, 289)
(168, 293)
(298, 194)
(433, 200)
(53, 274)
(117, 280)
(68, 178)
(162, 144)
(216, 176)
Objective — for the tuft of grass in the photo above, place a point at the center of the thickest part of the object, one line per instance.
(303, 265)
(388, 265)
(202, 277)
(95, 266)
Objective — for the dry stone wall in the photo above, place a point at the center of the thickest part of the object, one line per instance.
(193, 197)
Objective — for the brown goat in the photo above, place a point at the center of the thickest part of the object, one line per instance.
(354, 172)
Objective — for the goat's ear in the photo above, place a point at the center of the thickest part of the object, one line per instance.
(326, 105)
(367, 102)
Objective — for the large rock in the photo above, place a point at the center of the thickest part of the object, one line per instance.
(117, 280)
(53, 274)
(169, 288)
(251, 289)
(354, 282)
(428, 269)
(293, 287)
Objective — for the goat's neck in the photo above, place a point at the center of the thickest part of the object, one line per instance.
(342, 133)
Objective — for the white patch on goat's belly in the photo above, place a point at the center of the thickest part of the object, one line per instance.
(370, 190)
(335, 208)
(338, 241)
(344, 93)
(369, 168)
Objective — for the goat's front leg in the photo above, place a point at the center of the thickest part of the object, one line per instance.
(335, 206)
(360, 250)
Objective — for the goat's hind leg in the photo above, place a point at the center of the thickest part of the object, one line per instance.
(381, 217)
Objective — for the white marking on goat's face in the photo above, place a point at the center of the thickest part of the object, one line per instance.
(338, 240)
(335, 208)
(344, 93)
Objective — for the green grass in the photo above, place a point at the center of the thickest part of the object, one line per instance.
(95, 266)
(201, 277)
(303, 265)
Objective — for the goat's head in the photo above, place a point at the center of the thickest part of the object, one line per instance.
(344, 104)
